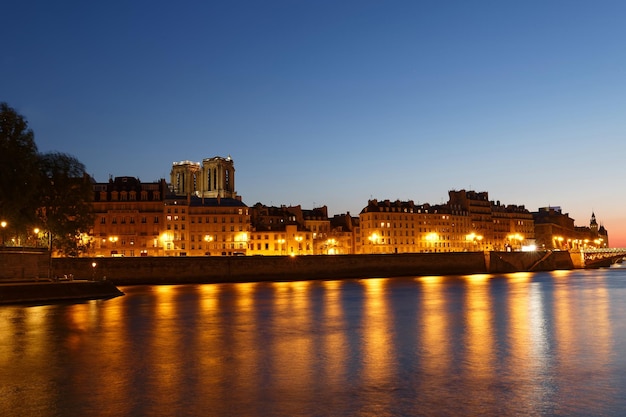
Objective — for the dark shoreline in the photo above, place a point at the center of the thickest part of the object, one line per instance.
(46, 292)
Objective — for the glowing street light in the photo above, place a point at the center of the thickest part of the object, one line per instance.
(299, 240)
(473, 237)
(519, 238)
(4, 225)
(330, 246)
(374, 238)
(281, 242)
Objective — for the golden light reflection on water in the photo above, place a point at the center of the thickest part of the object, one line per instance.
(377, 339)
(209, 295)
(291, 349)
(335, 342)
(508, 345)
(519, 277)
(434, 338)
(520, 340)
(480, 334)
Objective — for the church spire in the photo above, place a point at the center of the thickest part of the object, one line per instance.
(593, 224)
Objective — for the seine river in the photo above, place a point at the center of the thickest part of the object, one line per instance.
(541, 344)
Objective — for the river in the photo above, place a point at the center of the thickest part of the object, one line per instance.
(523, 344)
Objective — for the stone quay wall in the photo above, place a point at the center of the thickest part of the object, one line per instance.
(24, 264)
(180, 270)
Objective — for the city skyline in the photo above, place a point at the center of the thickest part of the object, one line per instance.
(334, 104)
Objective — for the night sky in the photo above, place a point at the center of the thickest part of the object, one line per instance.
(336, 102)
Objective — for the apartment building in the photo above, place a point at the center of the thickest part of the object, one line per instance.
(128, 218)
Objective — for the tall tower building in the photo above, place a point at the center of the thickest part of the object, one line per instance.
(214, 177)
(184, 177)
(218, 177)
(593, 224)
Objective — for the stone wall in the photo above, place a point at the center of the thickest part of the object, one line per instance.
(176, 270)
(23, 264)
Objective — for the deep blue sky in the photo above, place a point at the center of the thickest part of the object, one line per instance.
(335, 102)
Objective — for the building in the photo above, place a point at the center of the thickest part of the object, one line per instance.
(513, 227)
(200, 214)
(468, 222)
(199, 226)
(204, 216)
(478, 208)
(279, 231)
(345, 231)
(212, 178)
(128, 217)
(555, 230)
(404, 227)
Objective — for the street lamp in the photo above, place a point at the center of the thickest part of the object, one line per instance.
(281, 242)
(330, 246)
(299, 240)
(473, 237)
(519, 238)
(4, 225)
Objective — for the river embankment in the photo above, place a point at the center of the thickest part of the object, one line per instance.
(37, 265)
(183, 270)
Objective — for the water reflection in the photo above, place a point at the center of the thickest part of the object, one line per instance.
(518, 344)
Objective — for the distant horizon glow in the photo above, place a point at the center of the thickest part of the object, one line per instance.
(335, 103)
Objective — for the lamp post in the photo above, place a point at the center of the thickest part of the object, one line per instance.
(474, 238)
(208, 239)
(299, 240)
(36, 232)
(4, 238)
(281, 242)
(374, 239)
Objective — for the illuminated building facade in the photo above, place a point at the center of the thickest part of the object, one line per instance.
(128, 217)
(200, 215)
(478, 208)
(404, 227)
(204, 216)
(279, 231)
(513, 227)
(197, 226)
(468, 222)
(346, 232)
(212, 178)
(555, 230)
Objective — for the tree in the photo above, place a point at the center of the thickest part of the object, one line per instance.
(65, 202)
(19, 175)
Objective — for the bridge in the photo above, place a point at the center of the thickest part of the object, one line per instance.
(598, 258)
